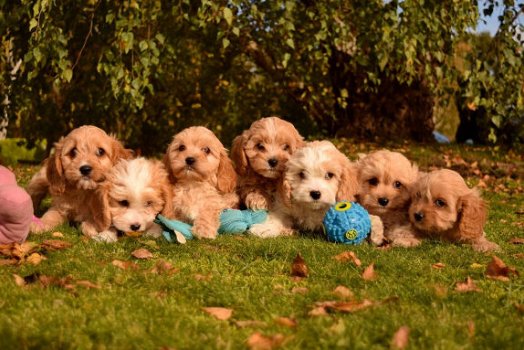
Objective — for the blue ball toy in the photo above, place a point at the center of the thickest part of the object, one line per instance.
(347, 222)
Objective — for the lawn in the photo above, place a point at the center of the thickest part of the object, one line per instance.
(96, 296)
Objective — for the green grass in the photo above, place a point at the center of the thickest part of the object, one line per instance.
(138, 309)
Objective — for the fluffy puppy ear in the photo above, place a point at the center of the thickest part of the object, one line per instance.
(238, 155)
(348, 186)
(226, 174)
(284, 192)
(167, 166)
(472, 215)
(119, 152)
(55, 171)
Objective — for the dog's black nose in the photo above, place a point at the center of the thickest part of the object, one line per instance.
(419, 216)
(135, 227)
(190, 160)
(272, 162)
(383, 201)
(85, 169)
(315, 194)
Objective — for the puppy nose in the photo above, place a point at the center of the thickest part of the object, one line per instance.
(135, 227)
(315, 194)
(85, 169)
(190, 160)
(419, 216)
(383, 201)
(273, 162)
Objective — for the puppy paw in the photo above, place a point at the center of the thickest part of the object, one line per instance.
(204, 231)
(154, 231)
(268, 231)
(257, 201)
(106, 237)
(483, 245)
(377, 231)
(406, 242)
(37, 228)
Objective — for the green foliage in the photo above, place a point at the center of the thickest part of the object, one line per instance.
(147, 69)
(14, 150)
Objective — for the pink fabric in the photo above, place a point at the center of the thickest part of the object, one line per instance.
(16, 209)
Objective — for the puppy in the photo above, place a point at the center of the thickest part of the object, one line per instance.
(135, 192)
(203, 177)
(316, 177)
(443, 206)
(384, 180)
(78, 166)
(260, 155)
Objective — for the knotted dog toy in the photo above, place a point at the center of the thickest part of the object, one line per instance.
(347, 222)
(232, 221)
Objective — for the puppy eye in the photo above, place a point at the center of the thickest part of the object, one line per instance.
(73, 152)
(206, 150)
(181, 148)
(329, 176)
(124, 203)
(260, 146)
(440, 203)
(100, 152)
(397, 184)
(373, 181)
(149, 203)
(285, 147)
(302, 175)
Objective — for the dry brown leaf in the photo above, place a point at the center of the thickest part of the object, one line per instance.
(348, 256)
(57, 234)
(200, 277)
(518, 256)
(63, 282)
(258, 341)
(142, 253)
(369, 273)
(520, 308)
(299, 267)
(517, 240)
(163, 266)
(299, 290)
(400, 338)
(124, 265)
(286, 322)
(220, 313)
(35, 258)
(250, 323)
(471, 329)
(87, 284)
(318, 311)
(438, 265)
(55, 244)
(498, 270)
(20, 281)
(468, 286)
(339, 306)
(343, 292)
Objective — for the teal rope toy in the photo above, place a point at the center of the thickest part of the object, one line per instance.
(232, 221)
(347, 222)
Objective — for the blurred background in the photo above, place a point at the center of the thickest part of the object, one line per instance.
(370, 70)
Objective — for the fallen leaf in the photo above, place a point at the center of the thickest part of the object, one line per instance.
(200, 277)
(348, 256)
(57, 234)
(476, 266)
(318, 311)
(63, 282)
(258, 341)
(517, 240)
(345, 307)
(142, 253)
(520, 308)
(518, 256)
(87, 284)
(299, 290)
(498, 270)
(471, 329)
(35, 259)
(55, 244)
(220, 313)
(286, 322)
(4, 262)
(163, 266)
(343, 292)
(468, 286)
(250, 323)
(299, 267)
(438, 265)
(124, 265)
(400, 338)
(369, 273)
(19, 280)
